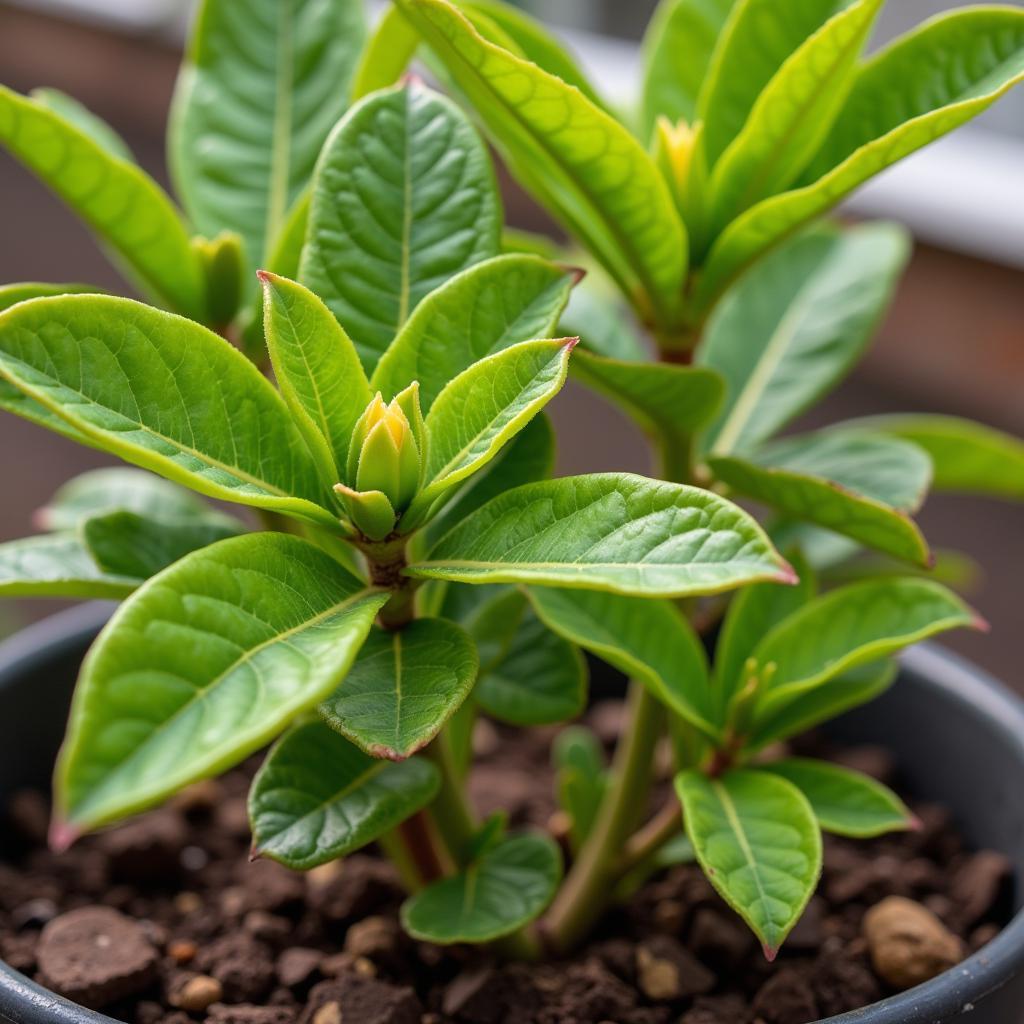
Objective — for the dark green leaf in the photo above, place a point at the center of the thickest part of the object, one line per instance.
(57, 565)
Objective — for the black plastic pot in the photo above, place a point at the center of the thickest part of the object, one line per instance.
(958, 736)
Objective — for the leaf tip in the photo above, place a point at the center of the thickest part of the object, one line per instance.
(914, 823)
(980, 623)
(381, 752)
(786, 575)
(413, 80)
(255, 853)
(576, 273)
(62, 835)
(770, 952)
(570, 344)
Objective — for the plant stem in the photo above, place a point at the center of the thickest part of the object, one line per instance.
(645, 842)
(456, 821)
(589, 883)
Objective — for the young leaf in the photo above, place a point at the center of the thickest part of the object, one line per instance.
(573, 156)
(317, 797)
(317, 369)
(124, 206)
(847, 627)
(757, 840)
(77, 114)
(678, 46)
(944, 74)
(506, 888)
(670, 403)
(10, 294)
(403, 687)
(845, 802)
(404, 198)
(164, 393)
(528, 675)
(648, 640)
(389, 50)
(582, 779)
(607, 531)
(261, 87)
(794, 325)
(792, 115)
(57, 565)
(967, 457)
(485, 309)
(203, 665)
(487, 405)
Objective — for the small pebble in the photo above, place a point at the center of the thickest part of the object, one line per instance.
(198, 993)
(908, 944)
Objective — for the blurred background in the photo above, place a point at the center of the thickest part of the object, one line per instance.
(953, 343)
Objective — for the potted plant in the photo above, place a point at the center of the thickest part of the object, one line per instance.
(374, 392)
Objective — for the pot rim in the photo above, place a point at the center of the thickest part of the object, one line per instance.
(977, 694)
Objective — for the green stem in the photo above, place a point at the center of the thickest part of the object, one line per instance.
(456, 821)
(590, 881)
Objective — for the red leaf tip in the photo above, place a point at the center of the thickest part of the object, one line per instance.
(266, 277)
(914, 823)
(62, 835)
(770, 952)
(980, 623)
(571, 343)
(576, 273)
(787, 575)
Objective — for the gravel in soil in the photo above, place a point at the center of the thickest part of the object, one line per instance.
(165, 921)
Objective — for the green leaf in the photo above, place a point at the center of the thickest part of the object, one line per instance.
(19, 404)
(487, 405)
(57, 565)
(847, 481)
(677, 51)
(848, 690)
(485, 309)
(261, 87)
(845, 802)
(127, 544)
(317, 369)
(388, 52)
(508, 887)
(10, 294)
(581, 779)
(607, 531)
(317, 797)
(759, 844)
(967, 457)
(203, 665)
(528, 675)
(920, 88)
(404, 198)
(648, 640)
(571, 155)
(847, 627)
(791, 117)
(164, 393)
(77, 114)
(403, 687)
(670, 403)
(758, 38)
(795, 324)
(129, 212)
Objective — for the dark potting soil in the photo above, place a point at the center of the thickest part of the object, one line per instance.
(165, 920)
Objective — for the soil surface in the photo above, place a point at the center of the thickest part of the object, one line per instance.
(165, 920)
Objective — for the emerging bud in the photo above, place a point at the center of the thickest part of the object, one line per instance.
(384, 454)
(674, 145)
(223, 263)
(370, 511)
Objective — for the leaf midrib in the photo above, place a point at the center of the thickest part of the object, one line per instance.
(280, 165)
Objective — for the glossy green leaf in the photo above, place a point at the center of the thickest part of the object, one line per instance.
(573, 156)
(915, 91)
(608, 531)
(164, 393)
(794, 325)
(388, 52)
(791, 117)
(57, 565)
(317, 797)
(261, 87)
(19, 404)
(847, 627)
(317, 369)
(968, 457)
(485, 309)
(848, 690)
(77, 114)
(581, 779)
(757, 840)
(404, 198)
(845, 802)
(129, 212)
(10, 294)
(678, 47)
(403, 687)
(506, 888)
(646, 639)
(486, 406)
(127, 544)
(670, 403)
(528, 675)
(204, 664)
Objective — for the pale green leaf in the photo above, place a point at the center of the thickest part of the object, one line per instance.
(317, 797)
(203, 665)
(757, 840)
(845, 802)
(261, 87)
(68, 108)
(403, 687)
(404, 198)
(506, 888)
(10, 294)
(124, 206)
(607, 531)
(387, 54)
(57, 565)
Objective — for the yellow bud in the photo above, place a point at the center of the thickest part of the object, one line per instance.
(384, 455)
